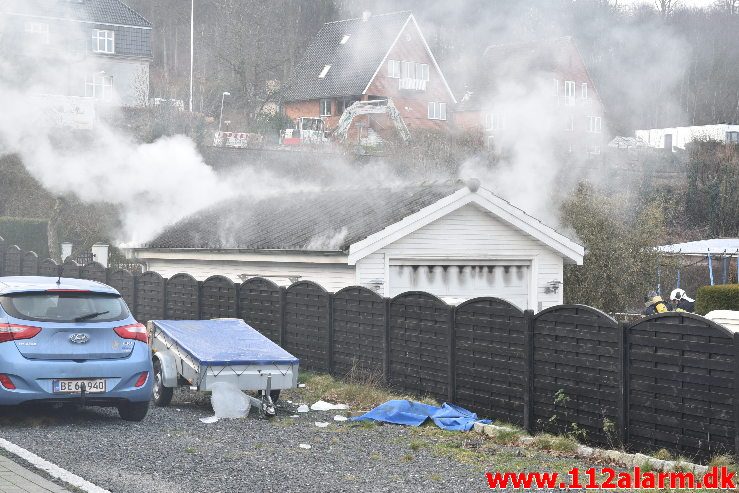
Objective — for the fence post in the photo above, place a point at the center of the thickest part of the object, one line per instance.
(200, 300)
(623, 403)
(386, 345)
(735, 397)
(452, 388)
(528, 374)
(283, 309)
(330, 352)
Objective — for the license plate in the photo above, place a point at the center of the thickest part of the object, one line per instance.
(92, 386)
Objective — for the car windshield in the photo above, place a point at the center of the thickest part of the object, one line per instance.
(65, 307)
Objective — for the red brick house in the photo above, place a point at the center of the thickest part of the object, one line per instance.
(369, 58)
(552, 73)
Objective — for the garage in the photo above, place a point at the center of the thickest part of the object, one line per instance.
(456, 281)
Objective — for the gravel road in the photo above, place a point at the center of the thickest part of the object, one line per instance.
(172, 451)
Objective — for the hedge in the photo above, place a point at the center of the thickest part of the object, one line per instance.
(28, 234)
(721, 297)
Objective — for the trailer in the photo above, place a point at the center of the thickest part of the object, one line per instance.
(199, 353)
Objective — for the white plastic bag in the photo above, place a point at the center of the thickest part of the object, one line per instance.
(228, 401)
(327, 406)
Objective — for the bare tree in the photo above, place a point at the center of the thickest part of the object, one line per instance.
(666, 7)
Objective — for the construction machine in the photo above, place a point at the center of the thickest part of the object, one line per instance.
(374, 107)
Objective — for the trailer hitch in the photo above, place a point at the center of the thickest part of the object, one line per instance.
(268, 407)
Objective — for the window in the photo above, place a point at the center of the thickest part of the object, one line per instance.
(344, 39)
(325, 107)
(594, 150)
(408, 70)
(594, 124)
(422, 71)
(38, 32)
(393, 69)
(65, 307)
(569, 92)
(437, 111)
(570, 124)
(103, 41)
(732, 137)
(556, 88)
(99, 86)
(325, 70)
(584, 92)
(494, 121)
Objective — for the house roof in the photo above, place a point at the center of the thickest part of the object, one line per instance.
(558, 56)
(359, 221)
(353, 64)
(113, 12)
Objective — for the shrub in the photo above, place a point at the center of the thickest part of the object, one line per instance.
(28, 234)
(721, 297)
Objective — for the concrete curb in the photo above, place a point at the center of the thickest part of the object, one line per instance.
(623, 458)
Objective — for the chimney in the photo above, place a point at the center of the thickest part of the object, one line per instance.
(366, 15)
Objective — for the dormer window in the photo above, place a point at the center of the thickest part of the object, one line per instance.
(325, 70)
(103, 41)
(344, 39)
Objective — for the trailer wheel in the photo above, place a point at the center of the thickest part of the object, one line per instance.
(274, 394)
(162, 395)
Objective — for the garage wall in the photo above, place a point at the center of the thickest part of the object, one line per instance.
(469, 233)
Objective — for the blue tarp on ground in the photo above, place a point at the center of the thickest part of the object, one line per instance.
(402, 412)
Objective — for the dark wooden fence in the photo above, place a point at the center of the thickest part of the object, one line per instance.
(666, 381)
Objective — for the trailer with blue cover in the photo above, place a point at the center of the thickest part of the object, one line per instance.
(199, 353)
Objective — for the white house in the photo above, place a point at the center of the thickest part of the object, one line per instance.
(457, 242)
(678, 137)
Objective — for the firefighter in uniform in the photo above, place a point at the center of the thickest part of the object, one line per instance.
(654, 303)
(681, 302)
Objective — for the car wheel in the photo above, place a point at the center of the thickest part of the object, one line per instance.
(162, 395)
(133, 411)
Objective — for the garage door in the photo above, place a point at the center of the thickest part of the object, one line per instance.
(508, 280)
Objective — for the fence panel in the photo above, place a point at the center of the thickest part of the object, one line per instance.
(13, 256)
(123, 281)
(182, 300)
(48, 268)
(260, 305)
(70, 268)
(359, 331)
(420, 329)
(95, 272)
(149, 297)
(307, 319)
(577, 372)
(30, 264)
(681, 385)
(218, 298)
(490, 365)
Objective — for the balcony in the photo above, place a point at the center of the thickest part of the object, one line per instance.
(412, 84)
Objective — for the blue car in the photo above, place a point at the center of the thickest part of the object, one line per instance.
(72, 341)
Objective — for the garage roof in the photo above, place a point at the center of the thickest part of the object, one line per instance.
(358, 221)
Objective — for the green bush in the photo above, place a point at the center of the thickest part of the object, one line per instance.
(28, 234)
(721, 297)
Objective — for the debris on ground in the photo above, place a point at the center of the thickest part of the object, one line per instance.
(327, 406)
(339, 417)
(228, 401)
(303, 408)
(209, 419)
(321, 424)
(304, 445)
(411, 413)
